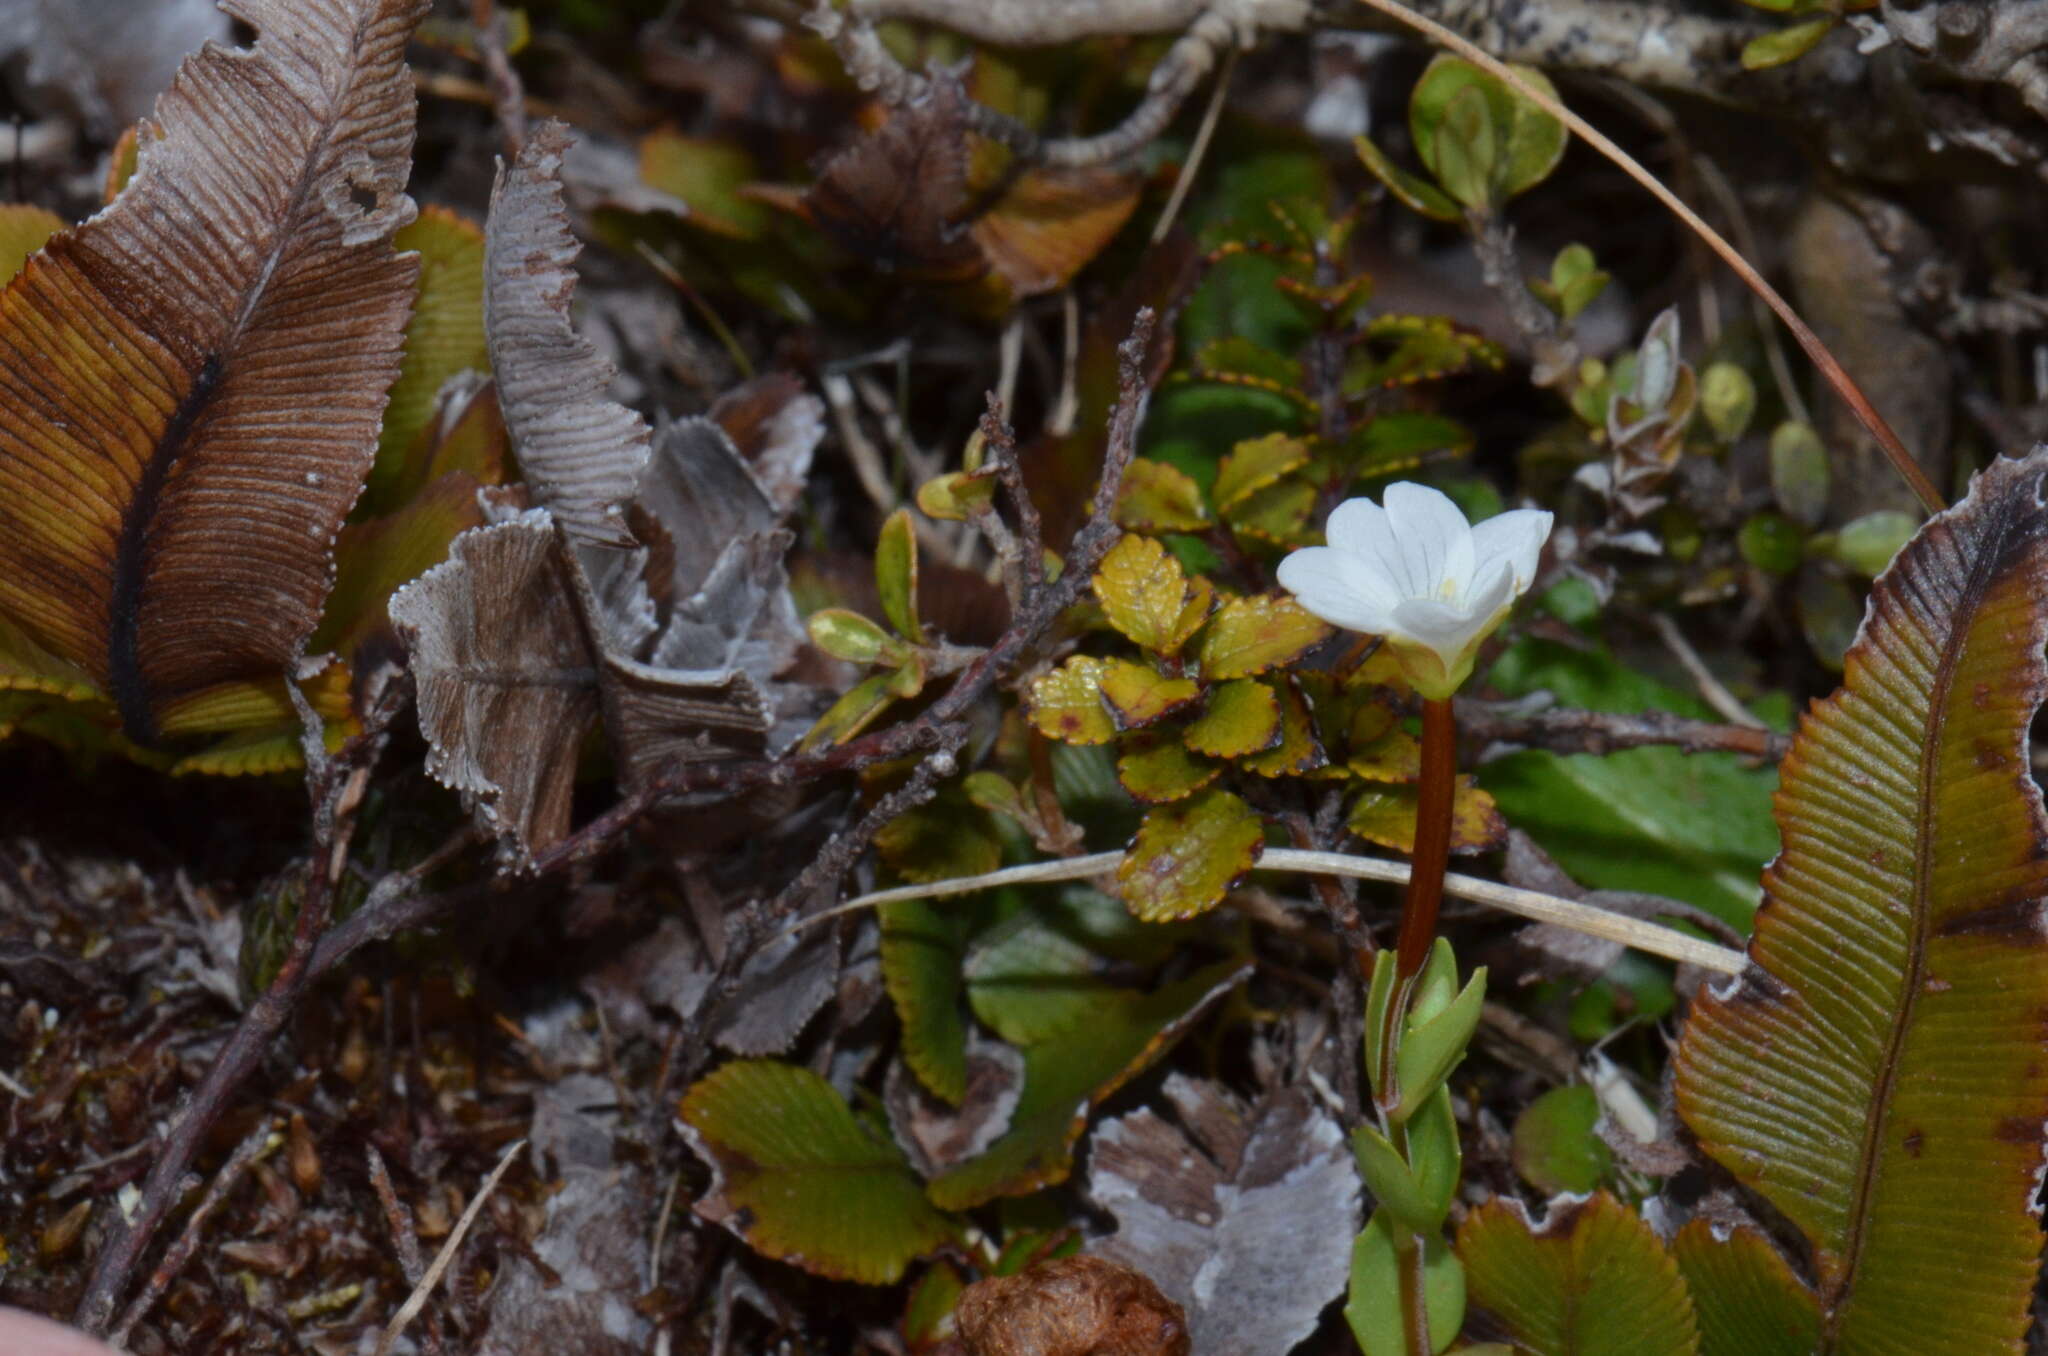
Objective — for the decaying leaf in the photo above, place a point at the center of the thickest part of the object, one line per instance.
(595, 1248)
(1876, 1073)
(1071, 1306)
(1244, 1218)
(175, 456)
(506, 678)
(581, 452)
(891, 197)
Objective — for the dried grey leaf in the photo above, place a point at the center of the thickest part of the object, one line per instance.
(1245, 1217)
(505, 676)
(781, 988)
(596, 1241)
(581, 452)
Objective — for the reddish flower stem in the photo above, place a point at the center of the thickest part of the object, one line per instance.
(1433, 799)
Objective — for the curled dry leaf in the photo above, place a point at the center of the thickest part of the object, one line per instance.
(506, 678)
(1245, 1218)
(1071, 1306)
(893, 195)
(175, 458)
(581, 452)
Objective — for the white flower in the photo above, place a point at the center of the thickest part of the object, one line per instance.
(1418, 574)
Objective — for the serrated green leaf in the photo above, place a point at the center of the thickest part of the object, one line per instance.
(946, 838)
(1402, 441)
(1235, 356)
(1148, 597)
(1066, 1074)
(1187, 854)
(802, 1180)
(1253, 465)
(923, 944)
(1748, 1299)
(1047, 964)
(1593, 1280)
(896, 575)
(1278, 514)
(1156, 768)
(1138, 695)
(1157, 497)
(1248, 636)
(1876, 1073)
(1066, 704)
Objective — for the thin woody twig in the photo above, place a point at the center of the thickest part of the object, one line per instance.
(508, 95)
(1566, 730)
(264, 1137)
(1206, 29)
(336, 787)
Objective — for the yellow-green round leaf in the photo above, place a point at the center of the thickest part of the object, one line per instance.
(1157, 497)
(1298, 751)
(1156, 768)
(1248, 636)
(957, 496)
(1243, 717)
(1138, 695)
(1187, 854)
(1145, 594)
(1066, 704)
(1386, 815)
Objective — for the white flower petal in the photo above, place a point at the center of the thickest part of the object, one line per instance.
(1437, 626)
(1516, 537)
(1448, 628)
(1436, 541)
(1361, 530)
(1340, 588)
